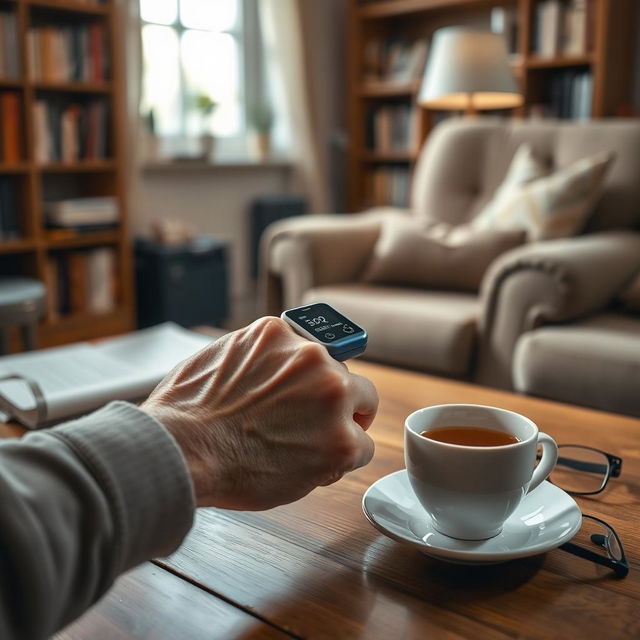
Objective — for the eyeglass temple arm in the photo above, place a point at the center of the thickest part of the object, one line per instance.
(620, 568)
(581, 465)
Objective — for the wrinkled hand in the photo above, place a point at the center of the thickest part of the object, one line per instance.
(264, 416)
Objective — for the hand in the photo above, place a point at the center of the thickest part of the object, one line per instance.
(264, 416)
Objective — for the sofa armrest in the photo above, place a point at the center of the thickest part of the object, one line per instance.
(552, 281)
(300, 253)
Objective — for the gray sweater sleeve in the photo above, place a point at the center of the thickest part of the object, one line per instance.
(80, 504)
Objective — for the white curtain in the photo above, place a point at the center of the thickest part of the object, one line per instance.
(129, 57)
(283, 23)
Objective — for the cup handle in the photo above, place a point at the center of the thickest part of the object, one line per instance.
(547, 462)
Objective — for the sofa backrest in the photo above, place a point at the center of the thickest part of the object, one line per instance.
(464, 161)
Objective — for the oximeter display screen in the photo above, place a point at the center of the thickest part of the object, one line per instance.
(324, 322)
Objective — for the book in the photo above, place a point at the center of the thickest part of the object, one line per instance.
(85, 282)
(78, 281)
(9, 207)
(574, 40)
(9, 65)
(392, 127)
(394, 61)
(101, 280)
(70, 53)
(10, 114)
(70, 132)
(82, 212)
(41, 387)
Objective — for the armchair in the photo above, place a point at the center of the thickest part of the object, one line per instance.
(470, 335)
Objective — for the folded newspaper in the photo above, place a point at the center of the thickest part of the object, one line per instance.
(41, 387)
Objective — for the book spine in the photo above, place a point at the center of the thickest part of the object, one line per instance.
(101, 280)
(9, 217)
(77, 262)
(10, 109)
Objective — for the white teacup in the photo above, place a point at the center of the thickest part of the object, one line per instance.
(469, 491)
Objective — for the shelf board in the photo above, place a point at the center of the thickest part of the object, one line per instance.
(85, 326)
(83, 166)
(13, 168)
(75, 6)
(72, 87)
(81, 239)
(390, 8)
(389, 89)
(389, 156)
(11, 83)
(537, 62)
(17, 246)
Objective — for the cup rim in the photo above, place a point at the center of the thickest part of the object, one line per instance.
(447, 445)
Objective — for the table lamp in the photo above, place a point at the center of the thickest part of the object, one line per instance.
(468, 70)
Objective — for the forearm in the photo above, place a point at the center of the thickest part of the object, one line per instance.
(82, 503)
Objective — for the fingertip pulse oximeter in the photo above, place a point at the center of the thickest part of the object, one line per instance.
(321, 323)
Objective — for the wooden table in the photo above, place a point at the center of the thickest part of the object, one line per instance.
(318, 569)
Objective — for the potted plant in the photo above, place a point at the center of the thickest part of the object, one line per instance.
(260, 121)
(206, 105)
(149, 138)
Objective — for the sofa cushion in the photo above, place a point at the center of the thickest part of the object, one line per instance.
(466, 159)
(427, 330)
(439, 256)
(595, 362)
(554, 206)
(630, 296)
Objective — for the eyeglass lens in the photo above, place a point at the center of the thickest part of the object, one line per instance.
(600, 538)
(580, 470)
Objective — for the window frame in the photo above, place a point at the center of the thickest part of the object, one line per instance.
(251, 83)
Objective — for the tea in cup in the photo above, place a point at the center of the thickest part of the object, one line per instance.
(470, 466)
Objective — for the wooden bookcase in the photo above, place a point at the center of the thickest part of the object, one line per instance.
(609, 61)
(35, 181)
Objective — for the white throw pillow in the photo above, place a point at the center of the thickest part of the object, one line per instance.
(554, 206)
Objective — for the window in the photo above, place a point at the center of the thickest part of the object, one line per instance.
(194, 48)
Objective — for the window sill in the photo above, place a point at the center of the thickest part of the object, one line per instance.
(179, 166)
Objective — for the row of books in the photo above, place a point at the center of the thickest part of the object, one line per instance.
(68, 53)
(504, 20)
(388, 185)
(9, 207)
(70, 132)
(563, 27)
(9, 66)
(81, 282)
(569, 96)
(10, 127)
(392, 127)
(394, 61)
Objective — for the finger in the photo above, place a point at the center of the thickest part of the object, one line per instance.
(365, 449)
(365, 400)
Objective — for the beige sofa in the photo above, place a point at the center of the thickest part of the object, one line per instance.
(475, 335)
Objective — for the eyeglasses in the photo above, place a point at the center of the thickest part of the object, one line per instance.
(585, 471)
(597, 541)
(594, 467)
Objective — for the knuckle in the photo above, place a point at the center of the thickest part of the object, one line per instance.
(268, 325)
(311, 353)
(344, 449)
(334, 387)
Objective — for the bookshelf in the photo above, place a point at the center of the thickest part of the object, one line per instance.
(82, 92)
(597, 76)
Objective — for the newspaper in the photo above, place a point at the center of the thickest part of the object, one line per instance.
(49, 385)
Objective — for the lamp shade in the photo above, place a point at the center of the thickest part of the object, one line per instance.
(468, 69)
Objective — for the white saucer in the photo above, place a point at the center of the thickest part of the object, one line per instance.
(545, 519)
